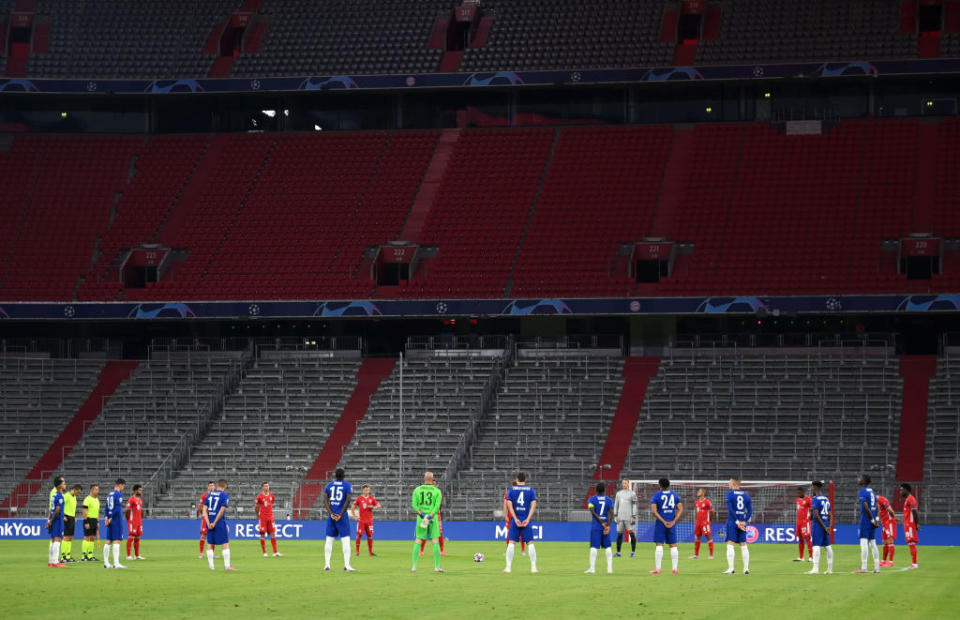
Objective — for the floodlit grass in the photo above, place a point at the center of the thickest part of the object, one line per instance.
(174, 583)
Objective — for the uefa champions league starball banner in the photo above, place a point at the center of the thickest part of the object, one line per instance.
(547, 531)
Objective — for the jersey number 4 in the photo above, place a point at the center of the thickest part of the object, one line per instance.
(667, 501)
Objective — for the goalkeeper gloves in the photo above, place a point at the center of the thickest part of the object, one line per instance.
(425, 522)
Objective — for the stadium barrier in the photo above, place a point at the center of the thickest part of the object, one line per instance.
(551, 531)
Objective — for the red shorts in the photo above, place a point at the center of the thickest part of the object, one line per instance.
(267, 527)
(364, 527)
(910, 533)
(702, 529)
(890, 530)
(135, 530)
(203, 527)
(803, 530)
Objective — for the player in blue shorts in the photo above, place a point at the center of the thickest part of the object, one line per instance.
(600, 507)
(667, 510)
(336, 496)
(822, 518)
(869, 522)
(739, 511)
(113, 523)
(55, 524)
(215, 518)
(521, 504)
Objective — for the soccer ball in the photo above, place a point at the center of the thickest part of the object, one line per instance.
(478, 557)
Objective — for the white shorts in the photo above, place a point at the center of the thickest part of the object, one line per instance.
(626, 526)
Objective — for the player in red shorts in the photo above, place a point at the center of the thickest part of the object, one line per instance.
(911, 522)
(363, 508)
(203, 524)
(701, 528)
(134, 515)
(423, 543)
(888, 521)
(264, 508)
(803, 531)
(506, 512)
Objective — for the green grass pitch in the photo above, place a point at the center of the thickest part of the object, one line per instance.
(174, 583)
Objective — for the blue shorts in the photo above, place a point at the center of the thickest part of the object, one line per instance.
(115, 529)
(218, 535)
(868, 530)
(735, 534)
(599, 540)
(516, 533)
(663, 534)
(56, 529)
(821, 537)
(338, 529)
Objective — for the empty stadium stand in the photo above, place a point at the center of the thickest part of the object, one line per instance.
(942, 454)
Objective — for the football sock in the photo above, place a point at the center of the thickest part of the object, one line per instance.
(210, 557)
(875, 552)
(116, 553)
(68, 545)
(810, 548)
(863, 554)
(106, 555)
(633, 542)
(369, 544)
(416, 554)
(53, 553)
(913, 552)
(358, 545)
(511, 549)
(436, 555)
(658, 557)
(711, 548)
(696, 547)
(609, 552)
(523, 545)
(816, 559)
(593, 558)
(730, 555)
(273, 543)
(263, 544)
(674, 557)
(201, 545)
(830, 559)
(129, 544)
(533, 557)
(441, 543)
(83, 549)
(801, 549)
(619, 542)
(136, 546)
(327, 551)
(345, 544)
(423, 545)
(745, 556)
(226, 558)
(893, 547)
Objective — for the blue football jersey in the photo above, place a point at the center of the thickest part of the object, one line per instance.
(337, 491)
(867, 496)
(739, 506)
(521, 496)
(57, 502)
(214, 502)
(603, 506)
(821, 505)
(114, 505)
(666, 502)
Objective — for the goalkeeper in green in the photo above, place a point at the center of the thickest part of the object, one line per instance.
(426, 501)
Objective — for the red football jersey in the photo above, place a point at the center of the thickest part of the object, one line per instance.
(265, 506)
(135, 506)
(365, 506)
(882, 505)
(203, 499)
(803, 510)
(909, 505)
(703, 507)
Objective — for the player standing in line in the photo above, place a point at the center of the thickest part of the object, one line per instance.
(869, 522)
(53, 491)
(667, 510)
(911, 522)
(822, 522)
(521, 504)
(69, 523)
(803, 523)
(426, 501)
(701, 528)
(134, 516)
(888, 525)
(506, 516)
(91, 524)
(439, 526)
(55, 525)
(625, 511)
(601, 508)
(364, 507)
(739, 511)
(203, 522)
(264, 510)
(336, 496)
(113, 522)
(215, 517)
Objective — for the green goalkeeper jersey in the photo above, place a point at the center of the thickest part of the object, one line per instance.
(426, 499)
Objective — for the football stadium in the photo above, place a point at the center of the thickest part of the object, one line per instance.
(479, 308)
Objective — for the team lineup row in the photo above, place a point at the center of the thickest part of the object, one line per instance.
(814, 522)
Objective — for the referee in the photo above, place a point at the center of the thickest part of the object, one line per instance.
(69, 523)
(91, 523)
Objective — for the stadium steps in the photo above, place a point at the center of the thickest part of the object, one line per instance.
(676, 175)
(369, 376)
(925, 196)
(430, 186)
(113, 374)
(916, 371)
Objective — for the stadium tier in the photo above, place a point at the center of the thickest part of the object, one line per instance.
(535, 212)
